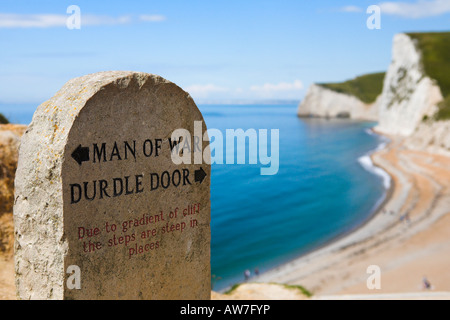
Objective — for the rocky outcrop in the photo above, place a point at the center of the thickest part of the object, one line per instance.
(410, 99)
(9, 143)
(431, 136)
(408, 93)
(407, 105)
(323, 102)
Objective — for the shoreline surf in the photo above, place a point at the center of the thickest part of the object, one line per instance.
(407, 241)
(367, 164)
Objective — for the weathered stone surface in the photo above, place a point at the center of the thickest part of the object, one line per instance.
(86, 194)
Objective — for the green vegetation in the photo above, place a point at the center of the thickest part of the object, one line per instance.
(444, 109)
(304, 291)
(435, 48)
(233, 288)
(366, 87)
(3, 119)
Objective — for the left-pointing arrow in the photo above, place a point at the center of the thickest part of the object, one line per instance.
(81, 154)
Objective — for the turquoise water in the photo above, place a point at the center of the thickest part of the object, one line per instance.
(320, 192)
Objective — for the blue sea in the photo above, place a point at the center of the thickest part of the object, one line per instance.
(325, 187)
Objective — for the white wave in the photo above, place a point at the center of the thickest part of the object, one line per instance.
(370, 132)
(367, 163)
(381, 146)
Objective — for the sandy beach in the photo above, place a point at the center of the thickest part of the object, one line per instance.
(407, 238)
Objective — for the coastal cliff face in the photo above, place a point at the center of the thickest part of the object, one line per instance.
(323, 102)
(410, 102)
(408, 93)
(431, 136)
(410, 98)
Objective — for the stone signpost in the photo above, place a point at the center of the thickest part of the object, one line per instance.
(101, 209)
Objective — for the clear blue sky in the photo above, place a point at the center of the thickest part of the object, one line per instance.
(216, 50)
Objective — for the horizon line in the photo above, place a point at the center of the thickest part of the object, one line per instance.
(199, 102)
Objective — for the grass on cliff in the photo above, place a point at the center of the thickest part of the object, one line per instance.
(435, 48)
(366, 87)
(3, 119)
(302, 289)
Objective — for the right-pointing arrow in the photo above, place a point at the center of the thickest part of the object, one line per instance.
(200, 174)
(81, 154)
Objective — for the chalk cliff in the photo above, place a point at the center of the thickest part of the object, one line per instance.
(416, 84)
(431, 136)
(323, 102)
(408, 93)
(415, 98)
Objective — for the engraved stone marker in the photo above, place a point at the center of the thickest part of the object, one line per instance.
(101, 210)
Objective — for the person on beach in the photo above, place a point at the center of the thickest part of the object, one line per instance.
(407, 218)
(247, 274)
(426, 283)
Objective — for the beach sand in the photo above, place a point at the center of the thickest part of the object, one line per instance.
(406, 251)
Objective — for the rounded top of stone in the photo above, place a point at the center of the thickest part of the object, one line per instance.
(93, 82)
(74, 95)
(106, 77)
